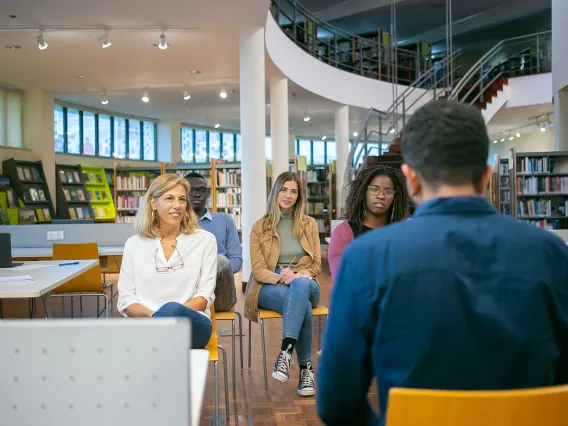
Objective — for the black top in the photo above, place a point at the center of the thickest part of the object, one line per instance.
(357, 231)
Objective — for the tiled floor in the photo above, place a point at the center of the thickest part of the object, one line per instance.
(251, 403)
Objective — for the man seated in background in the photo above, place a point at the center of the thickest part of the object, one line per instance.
(222, 225)
(458, 298)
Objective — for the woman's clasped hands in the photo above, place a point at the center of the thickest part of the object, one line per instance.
(287, 276)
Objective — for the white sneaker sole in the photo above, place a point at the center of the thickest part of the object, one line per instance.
(280, 377)
(306, 392)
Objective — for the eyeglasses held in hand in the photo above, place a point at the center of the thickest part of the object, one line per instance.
(199, 191)
(375, 190)
(167, 268)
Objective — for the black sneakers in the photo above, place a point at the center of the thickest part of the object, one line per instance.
(307, 385)
(281, 369)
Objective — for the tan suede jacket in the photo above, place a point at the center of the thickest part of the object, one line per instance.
(264, 253)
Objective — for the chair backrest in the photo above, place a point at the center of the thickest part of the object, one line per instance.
(89, 281)
(527, 407)
(91, 373)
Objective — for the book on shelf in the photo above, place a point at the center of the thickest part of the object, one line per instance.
(229, 177)
(542, 184)
(133, 182)
(129, 201)
(231, 197)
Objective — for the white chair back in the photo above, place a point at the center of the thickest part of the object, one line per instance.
(91, 372)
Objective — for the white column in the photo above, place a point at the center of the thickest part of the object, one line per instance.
(37, 118)
(342, 146)
(169, 146)
(279, 125)
(253, 131)
(291, 146)
(561, 120)
(560, 73)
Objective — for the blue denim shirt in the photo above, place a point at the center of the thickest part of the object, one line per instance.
(223, 227)
(459, 297)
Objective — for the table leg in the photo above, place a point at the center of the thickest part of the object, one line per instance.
(46, 305)
(1, 310)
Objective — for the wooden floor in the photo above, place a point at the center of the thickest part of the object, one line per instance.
(251, 403)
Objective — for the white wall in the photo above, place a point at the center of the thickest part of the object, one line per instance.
(329, 82)
(530, 90)
(531, 142)
(559, 37)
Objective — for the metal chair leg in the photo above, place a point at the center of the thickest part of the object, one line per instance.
(233, 338)
(250, 344)
(106, 305)
(226, 377)
(241, 337)
(1, 310)
(263, 353)
(216, 378)
(72, 313)
(81, 303)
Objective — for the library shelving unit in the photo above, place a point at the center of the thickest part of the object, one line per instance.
(298, 165)
(504, 186)
(320, 197)
(27, 179)
(10, 204)
(227, 191)
(72, 196)
(131, 184)
(540, 191)
(99, 193)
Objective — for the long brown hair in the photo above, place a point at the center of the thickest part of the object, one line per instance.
(273, 213)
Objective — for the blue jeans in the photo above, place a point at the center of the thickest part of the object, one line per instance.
(200, 325)
(294, 302)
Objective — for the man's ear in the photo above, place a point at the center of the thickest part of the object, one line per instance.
(412, 180)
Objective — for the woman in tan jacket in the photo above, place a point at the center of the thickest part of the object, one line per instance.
(284, 236)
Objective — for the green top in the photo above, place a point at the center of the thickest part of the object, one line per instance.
(290, 246)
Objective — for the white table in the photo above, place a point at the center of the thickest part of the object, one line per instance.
(44, 279)
(199, 362)
(34, 252)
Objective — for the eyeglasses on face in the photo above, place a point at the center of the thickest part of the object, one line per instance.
(167, 268)
(199, 191)
(375, 190)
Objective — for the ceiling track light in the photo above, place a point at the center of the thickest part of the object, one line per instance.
(104, 99)
(41, 44)
(145, 98)
(518, 134)
(163, 44)
(104, 40)
(323, 137)
(306, 117)
(186, 95)
(502, 139)
(223, 94)
(217, 125)
(355, 134)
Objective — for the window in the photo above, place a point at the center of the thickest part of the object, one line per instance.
(134, 139)
(10, 118)
(228, 147)
(319, 152)
(331, 151)
(89, 133)
(119, 138)
(59, 128)
(104, 136)
(305, 149)
(201, 146)
(149, 141)
(385, 147)
(214, 145)
(73, 131)
(187, 145)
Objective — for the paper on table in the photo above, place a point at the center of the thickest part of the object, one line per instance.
(15, 279)
(30, 266)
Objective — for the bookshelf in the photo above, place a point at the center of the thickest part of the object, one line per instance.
(130, 188)
(504, 187)
(227, 191)
(95, 179)
(540, 195)
(72, 196)
(320, 197)
(9, 203)
(28, 181)
(298, 165)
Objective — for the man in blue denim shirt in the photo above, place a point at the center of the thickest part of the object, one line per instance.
(458, 297)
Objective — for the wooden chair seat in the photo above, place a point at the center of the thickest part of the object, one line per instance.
(316, 312)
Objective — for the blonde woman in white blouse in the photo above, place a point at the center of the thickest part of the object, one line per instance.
(169, 267)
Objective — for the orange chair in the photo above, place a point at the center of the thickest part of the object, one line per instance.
(263, 314)
(213, 347)
(527, 407)
(87, 284)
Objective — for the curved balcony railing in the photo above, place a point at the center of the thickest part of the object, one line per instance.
(374, 56)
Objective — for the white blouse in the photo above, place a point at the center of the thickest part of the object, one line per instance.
(140, 282)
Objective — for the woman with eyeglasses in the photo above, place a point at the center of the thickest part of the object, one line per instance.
(377, 196)
(169, 267)
(285, 260)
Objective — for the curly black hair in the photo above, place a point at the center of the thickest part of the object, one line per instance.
(357, 197)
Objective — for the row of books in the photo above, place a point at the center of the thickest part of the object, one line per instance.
(232, 197)
(34, 194)
(12, 199)
(534, 165)
(133, 182)
(534, 208)
(125, 219)
(231, 177)
(544, 224)
(69, 176)
(98, 195)
(80, 213)
(535, 185)
(323, 226)
(129, 202)
(74, 195)
(205, 173)
(316, 208)
(103, 212)
(504, 169)
(93, 178)
(317, 175)
(318, 191)
(28, 173)
(29, 216)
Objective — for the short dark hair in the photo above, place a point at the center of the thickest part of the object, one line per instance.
(446, 143)
(194, 175)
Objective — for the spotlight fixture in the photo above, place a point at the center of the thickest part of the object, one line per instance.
(306, 117)
(495, 141)
(355, 134)
(323, 137)
(104, 99)
(186, 95)
(162, 44)
(518, 135)
(145, 97)
(502, 139)
(542, 128)
(391, 130)
(223, 94)
(511, 137)
(41, 44)
(217, 125)
(104, 40)
(194, 72)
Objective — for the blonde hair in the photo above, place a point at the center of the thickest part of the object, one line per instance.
(147, 223)
(273, 213)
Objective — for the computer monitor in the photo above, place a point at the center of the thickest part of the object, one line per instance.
(6, 251)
